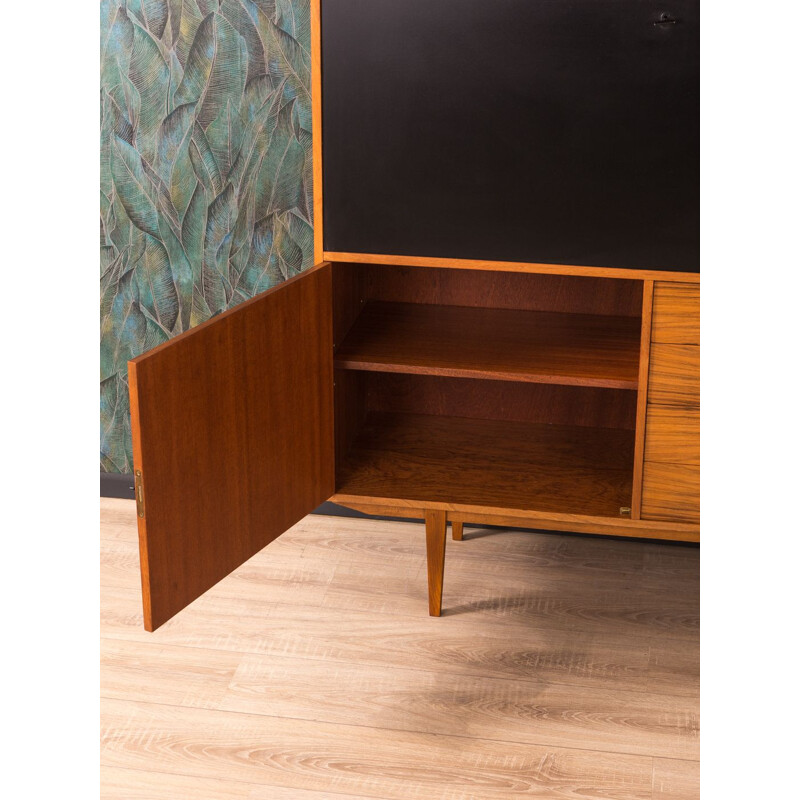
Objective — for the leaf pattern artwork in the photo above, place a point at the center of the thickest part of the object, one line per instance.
(205, 173)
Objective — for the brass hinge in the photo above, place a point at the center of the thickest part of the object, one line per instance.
(139, 489)
(624, 511)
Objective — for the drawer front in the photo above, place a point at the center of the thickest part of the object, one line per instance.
(672, 435)
(671, 492)
(674, 375)
(676, 313)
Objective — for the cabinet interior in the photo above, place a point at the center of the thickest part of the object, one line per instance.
(497, 389)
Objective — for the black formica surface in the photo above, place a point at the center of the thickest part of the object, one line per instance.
(555, 131)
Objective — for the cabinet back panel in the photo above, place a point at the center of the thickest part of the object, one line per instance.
(513, 290)
(500, 400)
(354, 283)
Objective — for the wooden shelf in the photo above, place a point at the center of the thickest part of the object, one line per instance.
(500, 344)
(552, 468)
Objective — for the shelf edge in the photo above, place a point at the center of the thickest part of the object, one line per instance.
(453, 372)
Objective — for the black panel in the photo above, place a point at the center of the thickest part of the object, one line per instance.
(556, 131)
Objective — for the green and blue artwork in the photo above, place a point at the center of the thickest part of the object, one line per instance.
(205, 173)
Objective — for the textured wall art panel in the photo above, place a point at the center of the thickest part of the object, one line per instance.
(205, 173)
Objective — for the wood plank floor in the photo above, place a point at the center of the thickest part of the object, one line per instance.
(562, 667)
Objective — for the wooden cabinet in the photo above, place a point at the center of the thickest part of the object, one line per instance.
(450, 394)
(559, 396)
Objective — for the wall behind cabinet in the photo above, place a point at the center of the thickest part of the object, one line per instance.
(205, 173)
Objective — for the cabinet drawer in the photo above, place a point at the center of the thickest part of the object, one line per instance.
(671, 492)
(672, 435)
(676, 313)
(674, 375)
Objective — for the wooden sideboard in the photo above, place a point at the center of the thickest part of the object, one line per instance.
(560, 397)
(454, 393)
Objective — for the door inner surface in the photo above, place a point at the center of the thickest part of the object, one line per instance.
(233, 436)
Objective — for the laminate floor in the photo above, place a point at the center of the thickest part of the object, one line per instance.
(561, 667)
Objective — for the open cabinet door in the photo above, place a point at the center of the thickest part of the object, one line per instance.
(232, 438)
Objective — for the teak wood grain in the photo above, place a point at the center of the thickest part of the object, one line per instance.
(671, 492)
(676, 313)
(435, 543)
(674, 375)
(536, 347)
(585, 406)
(428, 460)
(673, 435)
(570, 294)
(233, 433)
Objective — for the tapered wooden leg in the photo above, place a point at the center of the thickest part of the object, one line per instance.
(435, 537)
(458, 531)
